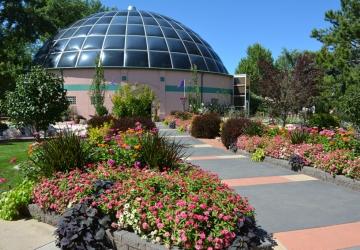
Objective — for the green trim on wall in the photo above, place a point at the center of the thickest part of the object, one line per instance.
(168, 88)
(86, 87)
(175, 88)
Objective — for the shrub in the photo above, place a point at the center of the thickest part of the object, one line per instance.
(258, 155)
(205, 126)
(323, 120)
(14, 202)
(296, 162)
(98, 121)
(159, 153)
(133, 100)
(124, 123)
(232, 129)
(97, 134)
(62, 153)
(254, 128)
(178, 208)
(298, 136)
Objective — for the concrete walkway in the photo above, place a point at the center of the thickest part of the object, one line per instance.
(302, 212)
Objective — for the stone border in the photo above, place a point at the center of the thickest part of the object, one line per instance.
(339, 180)
(121, 239)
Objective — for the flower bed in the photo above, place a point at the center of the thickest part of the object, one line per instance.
(334, 151)
(186, 208)
(138, 183)
(182, 120)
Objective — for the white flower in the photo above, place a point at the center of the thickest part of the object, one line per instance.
(157, 239)
(127, 205)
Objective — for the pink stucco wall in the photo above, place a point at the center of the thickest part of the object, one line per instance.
(168, 100)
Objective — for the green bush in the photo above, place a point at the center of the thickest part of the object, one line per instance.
(157, 152)
(62, 153)
(232, 129)
(258, 155)
(254, 128)
(323, 120)
(13, 203)
(206, 126)
(133, 100)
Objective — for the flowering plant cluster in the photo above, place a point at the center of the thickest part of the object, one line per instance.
(339, 159)
(122, 148)
(184, 124)
(189, 207)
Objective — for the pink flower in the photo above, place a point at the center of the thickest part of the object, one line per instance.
(145, 226)
(111, 162)
(167, 234)
(183, 215)
(160, 225)
(2, 180)
(181, 203)
(203, 206)
(202, 235)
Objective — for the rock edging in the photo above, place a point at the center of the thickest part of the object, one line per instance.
(121, 239)
(339, 180)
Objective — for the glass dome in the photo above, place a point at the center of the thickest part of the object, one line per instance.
(131, 39)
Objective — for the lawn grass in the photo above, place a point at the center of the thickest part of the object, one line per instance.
(9, 151)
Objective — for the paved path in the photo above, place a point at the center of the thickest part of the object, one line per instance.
(302, 212)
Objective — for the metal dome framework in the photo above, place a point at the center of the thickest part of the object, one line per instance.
(129, 39)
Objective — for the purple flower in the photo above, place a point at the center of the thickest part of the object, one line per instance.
(137, 164)
(111, 162)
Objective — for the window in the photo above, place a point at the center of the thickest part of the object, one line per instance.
(114, 42)
(153, 31)
(162, 79)
(176, 45)
(136, 59)
(135, 30)
(94, 42)
(123, 78)
(180, 61)
(88, 58)
(71, 99)
(136, 42)
(157, 43)
(75, 44)
(160, 60)
(113, 58)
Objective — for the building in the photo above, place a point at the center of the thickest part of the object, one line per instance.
(135, 47)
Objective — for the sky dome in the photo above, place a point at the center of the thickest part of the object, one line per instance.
(231, 26)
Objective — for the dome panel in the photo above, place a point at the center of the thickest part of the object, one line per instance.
(129, 38)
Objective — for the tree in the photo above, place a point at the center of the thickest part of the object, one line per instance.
(289, 89)
(38, 100)
(97, 89)
(340, 58)
(26, 24)
(195, 91)
(250, 65)
(287, 59)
